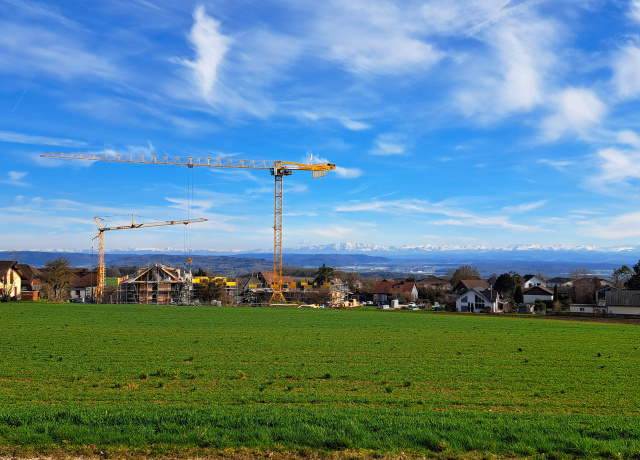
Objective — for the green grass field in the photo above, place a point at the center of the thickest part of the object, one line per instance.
(159, 379)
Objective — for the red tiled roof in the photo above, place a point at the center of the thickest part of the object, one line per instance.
(268, 277)
(393, 287)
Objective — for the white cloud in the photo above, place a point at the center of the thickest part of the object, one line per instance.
(15, 178)
(19, 138)
(333, 231)
(525, 207)
(626, 68)
(618, 165)
(388, 144)
(457, 216)
(577, 111)
(628, 138)
(29, 50)
(375, 37)
(623, 226)
(210, 47)
(355, 125)
(348, 173)
(513, 77)
(634, 10)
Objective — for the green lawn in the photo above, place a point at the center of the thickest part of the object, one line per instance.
(124, 376)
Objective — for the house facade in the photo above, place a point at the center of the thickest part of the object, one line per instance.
(538, 292)
(10, 280)
(434, 284)
(529, 281)
(31, 282)
(623, 302)
(479, 300)
(386, 290)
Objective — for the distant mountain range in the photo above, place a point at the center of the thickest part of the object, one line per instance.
(370, 259)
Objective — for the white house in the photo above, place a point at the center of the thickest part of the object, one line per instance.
(531, 281)
(479, 300)
(537, 293)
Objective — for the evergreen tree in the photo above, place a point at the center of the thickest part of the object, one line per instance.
(518, 297)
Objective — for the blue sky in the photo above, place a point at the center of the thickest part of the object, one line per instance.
(452, 123)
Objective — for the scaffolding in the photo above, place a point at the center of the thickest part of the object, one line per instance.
(156, 285)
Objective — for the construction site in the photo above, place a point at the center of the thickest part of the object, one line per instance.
(159, 284)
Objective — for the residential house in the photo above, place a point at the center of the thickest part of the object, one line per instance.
(266, 279)
(83, 285)
(465, 285)
(479, 300)
(529, 281)
(385, 290)
(623, 302)
(31, 282)
(434, 284)
(538, 292)
(560, 282)
(10, 280)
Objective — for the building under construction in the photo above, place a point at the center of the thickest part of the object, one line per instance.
(156, 285)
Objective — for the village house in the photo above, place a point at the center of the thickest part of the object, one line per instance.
(10, 280)
(479, 300)
(434, 284)
(83, 285)
(538, 292)
(31, 282)
(465, 285)
(529, 281)
(386, 290)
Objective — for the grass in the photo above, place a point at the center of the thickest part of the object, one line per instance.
(125, 376)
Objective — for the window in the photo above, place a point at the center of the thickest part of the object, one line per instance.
(479, 302)
(581, 308)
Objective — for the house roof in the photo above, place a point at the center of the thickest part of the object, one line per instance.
(30, 273)
(393, 287)
(470, 284)
(488, 294)
(84, 278)
(268, 277)
(622, 298)
(5, 265)
(432, 281)
(538, 290)
(558, 280)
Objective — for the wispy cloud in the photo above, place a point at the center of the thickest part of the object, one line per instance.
(626, 71)
(21, 138)
(388, 144)
(15, 178)
(210, 46)
(457, 216)
(525, 207)
(348, 173)
(578, 110)
(622, 226)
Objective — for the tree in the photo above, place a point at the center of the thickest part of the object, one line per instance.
(200, 272)
(207, 291)
(584, 285)
(621, 275)
(353, 279)
(323, 274)
(518, 297)
(633, 282)
(464, 272)
(504, 284)
(58, 275)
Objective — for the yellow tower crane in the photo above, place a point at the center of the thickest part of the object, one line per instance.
(102, 229)
(278, 169)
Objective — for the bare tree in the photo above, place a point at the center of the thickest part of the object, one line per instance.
(584, 285)
(58, 275)
(464, 272)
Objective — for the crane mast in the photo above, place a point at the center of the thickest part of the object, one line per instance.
(278, 169)
(100, 237)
